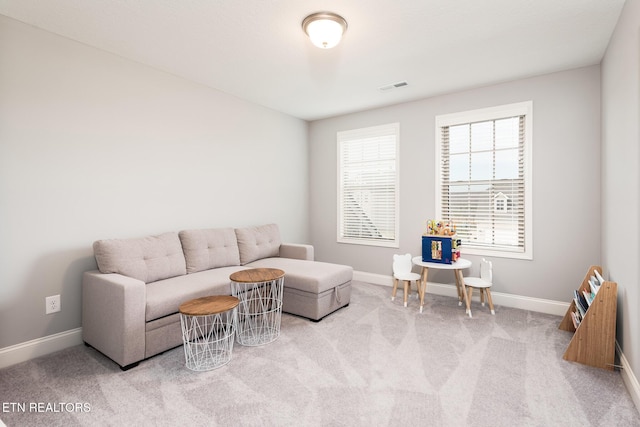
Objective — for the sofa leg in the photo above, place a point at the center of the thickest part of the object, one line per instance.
(317, 320)
(123, 368)
(132, 365)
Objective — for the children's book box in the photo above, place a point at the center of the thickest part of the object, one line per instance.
(440, 243)
(442, 249)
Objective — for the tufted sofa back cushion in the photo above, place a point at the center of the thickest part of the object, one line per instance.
(212, 248)
(258, 242)
(148, 258)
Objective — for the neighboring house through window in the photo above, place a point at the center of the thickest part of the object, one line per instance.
(368, 185)
(502, 203)
(483, 178)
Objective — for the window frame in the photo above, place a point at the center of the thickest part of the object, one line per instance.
(358, 134)
(489, 114)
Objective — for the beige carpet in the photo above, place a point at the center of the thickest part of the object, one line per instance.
(374, 363)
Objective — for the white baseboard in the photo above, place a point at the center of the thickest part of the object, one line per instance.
(558, 308)
(629, 378)
(39, 347)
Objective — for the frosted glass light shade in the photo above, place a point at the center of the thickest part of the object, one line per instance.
(325, 29)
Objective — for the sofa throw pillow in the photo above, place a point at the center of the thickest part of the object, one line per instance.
(148, 258)
(258, 242)
(207, 249)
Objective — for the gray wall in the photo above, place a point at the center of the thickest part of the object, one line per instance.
(621, 179)
(566, 181)
(93, 146)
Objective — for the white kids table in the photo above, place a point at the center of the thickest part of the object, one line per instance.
(457, 268)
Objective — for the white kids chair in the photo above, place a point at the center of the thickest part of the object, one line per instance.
(483, 283)
(402, 271)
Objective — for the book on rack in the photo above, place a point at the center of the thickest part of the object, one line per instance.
(598, 277)
(581, 302)
(594, 284)
(588, 296)
(575, 317)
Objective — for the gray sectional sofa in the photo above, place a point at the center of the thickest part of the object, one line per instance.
(130, 305)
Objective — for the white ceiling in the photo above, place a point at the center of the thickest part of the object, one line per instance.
(256, 49)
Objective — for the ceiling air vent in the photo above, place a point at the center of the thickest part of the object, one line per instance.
(393, 86)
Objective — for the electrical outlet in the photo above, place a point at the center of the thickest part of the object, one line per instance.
(52, 304)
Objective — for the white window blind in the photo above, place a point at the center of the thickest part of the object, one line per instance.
(368, 185)
(483, 179)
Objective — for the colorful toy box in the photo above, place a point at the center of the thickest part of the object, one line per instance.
(441, 249)
(439, 243)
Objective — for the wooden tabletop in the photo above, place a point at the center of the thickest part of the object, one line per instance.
(460, 264)
(209, 305)
(256, 275)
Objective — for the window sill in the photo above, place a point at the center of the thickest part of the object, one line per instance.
(527, 256)
(364, 242)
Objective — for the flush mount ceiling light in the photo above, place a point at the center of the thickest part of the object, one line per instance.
(325, 29)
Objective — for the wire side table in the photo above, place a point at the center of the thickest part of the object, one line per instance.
(208, 328)
(260, 310)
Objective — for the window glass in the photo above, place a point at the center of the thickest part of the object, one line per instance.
(368, 186)
(484, 182)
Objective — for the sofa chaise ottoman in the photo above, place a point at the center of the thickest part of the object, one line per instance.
(130, 304)
(311, 289)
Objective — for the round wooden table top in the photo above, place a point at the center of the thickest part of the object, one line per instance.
(209, 305)
(460, 264)
(256, 275)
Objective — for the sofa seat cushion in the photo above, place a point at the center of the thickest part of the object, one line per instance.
(211, 248)
(148, 258)
(308, 276)
(165, 296)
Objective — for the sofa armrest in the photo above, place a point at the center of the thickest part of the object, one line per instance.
(296, 251)
(113, 316)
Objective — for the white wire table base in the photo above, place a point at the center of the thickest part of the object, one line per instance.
(259, 311)
(208, 340)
